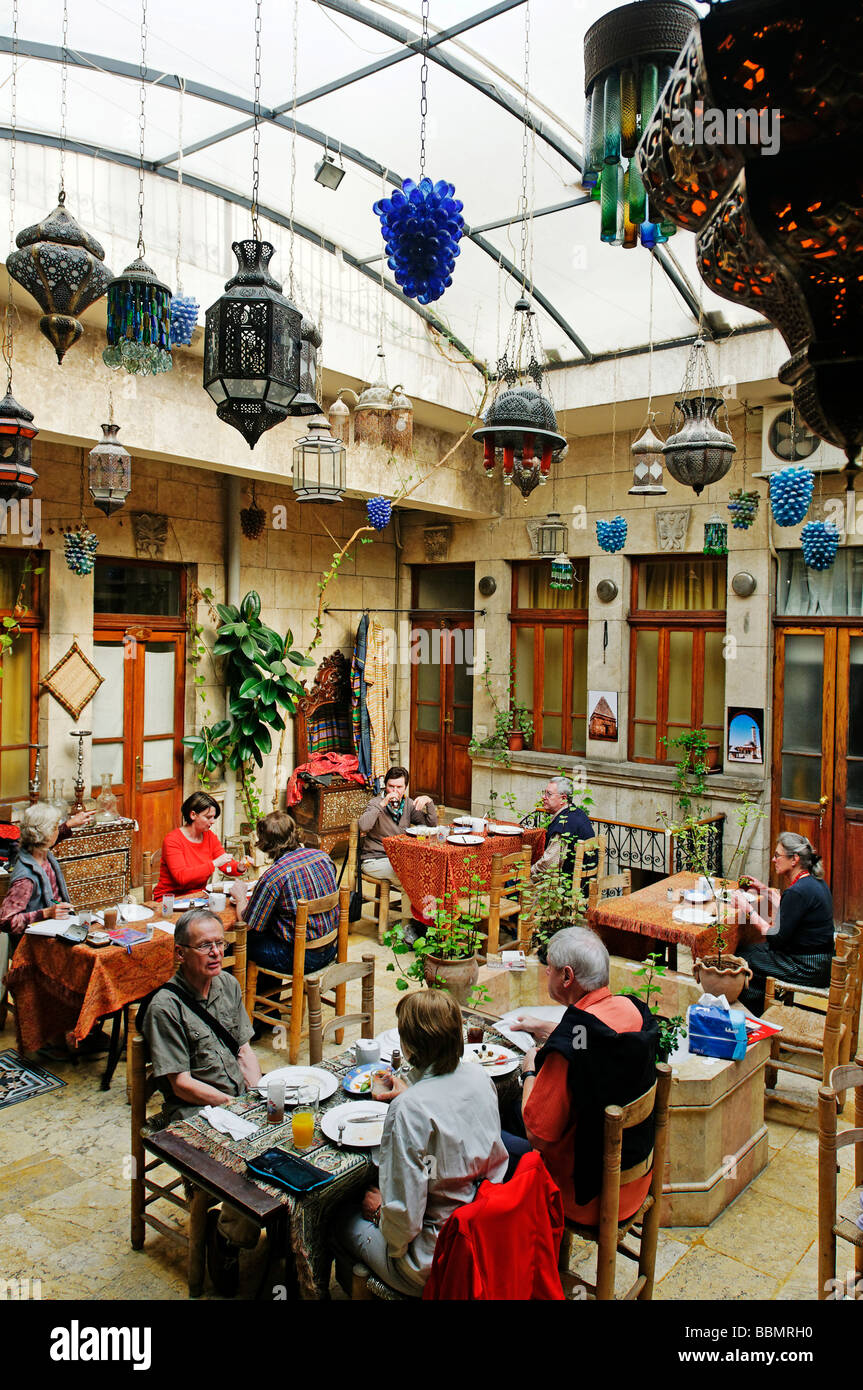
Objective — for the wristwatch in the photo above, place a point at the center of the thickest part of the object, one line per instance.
(523, 1075)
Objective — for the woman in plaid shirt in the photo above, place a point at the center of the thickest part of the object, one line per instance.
(271, 911)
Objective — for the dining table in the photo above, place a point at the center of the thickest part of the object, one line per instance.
(434, 869)
(648, 918)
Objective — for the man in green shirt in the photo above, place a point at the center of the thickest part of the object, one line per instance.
(197, 1068)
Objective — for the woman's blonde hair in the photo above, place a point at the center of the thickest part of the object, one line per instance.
(430, 1029)
(37, 823)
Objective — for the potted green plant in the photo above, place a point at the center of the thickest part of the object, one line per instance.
(521, 726)
(552, 903)
(446, 956)
(671, 1030)
(512, 726)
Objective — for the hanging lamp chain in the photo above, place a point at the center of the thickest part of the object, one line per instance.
(182, 91)
(424, 77)
(256, 137)
(142, 120)
(64, 78)
(526, 127)
(295, 53)
(9, 317)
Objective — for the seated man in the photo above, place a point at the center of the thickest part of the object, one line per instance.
(198, 1035)
(390, 814)
(603, 1052)
(568, 825)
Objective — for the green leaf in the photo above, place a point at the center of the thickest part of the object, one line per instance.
(251, 686)
(251, 605)
(227, 612)
(262, 739)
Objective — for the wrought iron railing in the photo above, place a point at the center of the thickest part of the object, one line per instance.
(647, 847)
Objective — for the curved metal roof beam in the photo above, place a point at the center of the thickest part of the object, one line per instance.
(281, 219)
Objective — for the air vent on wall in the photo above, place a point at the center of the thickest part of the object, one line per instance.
(786, 439)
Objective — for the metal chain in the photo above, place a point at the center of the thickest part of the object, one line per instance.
(523, 204)
(182, 91)
(256, 138)
(141, 127)
(295, 37)
(64, 77)
(424, 77)
(8, 330)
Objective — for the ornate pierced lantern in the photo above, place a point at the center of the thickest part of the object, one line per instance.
(339, 416)
(305, 402)
(373, 405)
(252, 346)
(699, 453)
(399, 428)
(110, 471)
(647, 469)
(551, 536)
(319, 465)
(61, 266)
(17, 433)
(139, 322)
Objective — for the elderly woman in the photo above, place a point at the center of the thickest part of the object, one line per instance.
(441, 1139)
(37, 888)
(192, 853)
(798, 930)
(271, 912)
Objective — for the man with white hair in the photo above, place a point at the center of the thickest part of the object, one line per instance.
(602, 1052)
(568, 825)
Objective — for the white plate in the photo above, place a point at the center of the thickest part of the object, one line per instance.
(462, 820)
(355, 1136)
(497, 1060)
(420, 830)
(387, 1041)
(127, 913)
(548, 1013)
(692, 895)
(694, 916)
(465, 840)
(302, 1076)
(494, 829)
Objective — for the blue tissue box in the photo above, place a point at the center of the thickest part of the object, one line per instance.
(715, 1033)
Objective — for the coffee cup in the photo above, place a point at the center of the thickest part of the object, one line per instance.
(367, 1051)
(217, 902)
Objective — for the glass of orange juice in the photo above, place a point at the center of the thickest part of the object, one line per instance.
(303, 1117)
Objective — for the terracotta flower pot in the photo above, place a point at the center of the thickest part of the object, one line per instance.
(515, 742)
(457, 976)
(730, 980)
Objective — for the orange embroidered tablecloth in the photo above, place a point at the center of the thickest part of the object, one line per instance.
(648, 913)
(430, 869)
(62, 990)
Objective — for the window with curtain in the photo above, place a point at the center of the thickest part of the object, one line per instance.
(677, 664)
(549, 655)
(18, 670)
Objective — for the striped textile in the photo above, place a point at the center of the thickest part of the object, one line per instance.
(329, 734)
(300, 873)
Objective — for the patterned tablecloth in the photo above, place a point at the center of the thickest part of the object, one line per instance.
(649, 913)
(308, 1216)
(431, 869)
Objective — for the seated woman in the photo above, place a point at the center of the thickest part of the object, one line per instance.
(271, 911)
(192, 853)
(37, 889)
(441, 1139)
(798, 931)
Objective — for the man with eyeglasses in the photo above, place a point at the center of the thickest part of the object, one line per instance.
(199, 1039)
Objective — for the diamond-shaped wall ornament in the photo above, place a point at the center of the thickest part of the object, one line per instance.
(73, 681)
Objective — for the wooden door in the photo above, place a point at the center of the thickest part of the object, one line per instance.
(441, 710)
(818, 752)
(137, 720)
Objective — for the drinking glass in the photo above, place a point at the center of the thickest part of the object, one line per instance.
(303, 1117)
(275, 1102)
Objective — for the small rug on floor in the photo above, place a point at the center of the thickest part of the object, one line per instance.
(20, 1080)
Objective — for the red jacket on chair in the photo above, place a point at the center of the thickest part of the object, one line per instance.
(505, 1243)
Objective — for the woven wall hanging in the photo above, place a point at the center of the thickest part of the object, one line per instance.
(73, 681)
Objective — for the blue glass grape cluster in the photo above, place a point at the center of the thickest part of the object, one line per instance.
(79, 549)
(743, 507)
(790, 494)
(820, 543)
(611, 534)
(379, 510)
(184, 319)
(422, 225)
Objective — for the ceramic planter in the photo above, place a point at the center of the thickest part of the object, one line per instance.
(729, 980)
(457, 976)
(515, 742)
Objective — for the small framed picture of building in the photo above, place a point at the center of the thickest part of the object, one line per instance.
(745, 735)
(602, 715)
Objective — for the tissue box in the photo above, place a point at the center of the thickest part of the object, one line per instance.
(716, 1032)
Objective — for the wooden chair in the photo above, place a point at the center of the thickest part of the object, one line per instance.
(147, 1187)
(610, 1235)
(812, 1044)
(150, 872)
(610, 885)
(280, 1000)
(5, 956)
(834, 1221)
(382, 888)
(598, 846)
(508, 900)
(331, 978)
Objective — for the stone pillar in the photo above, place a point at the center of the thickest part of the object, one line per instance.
(68, 618)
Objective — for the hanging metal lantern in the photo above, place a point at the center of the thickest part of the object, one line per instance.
(110, 471)
(319, 465)
(551, 535)
(647, 469)
(61, 266)
(252, 346)
(339, 417)
(715, 536)
(184, 319)
(561, 573)
(17, 433)
(699, 453)
(372, 409)
(399, 427)
(305, 402)
(139, 322)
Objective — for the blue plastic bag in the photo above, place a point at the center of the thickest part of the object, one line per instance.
(716, 1032)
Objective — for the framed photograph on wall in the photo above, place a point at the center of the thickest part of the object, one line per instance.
(745, 735)
(602, 715)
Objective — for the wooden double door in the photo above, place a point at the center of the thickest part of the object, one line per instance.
(818, 752)
(442, 666)
(137, 722)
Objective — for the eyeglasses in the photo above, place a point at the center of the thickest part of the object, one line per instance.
(208, 948)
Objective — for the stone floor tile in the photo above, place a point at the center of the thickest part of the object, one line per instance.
(763, 1232)
(707, 1274)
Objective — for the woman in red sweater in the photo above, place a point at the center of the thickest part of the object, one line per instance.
(192, 853)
